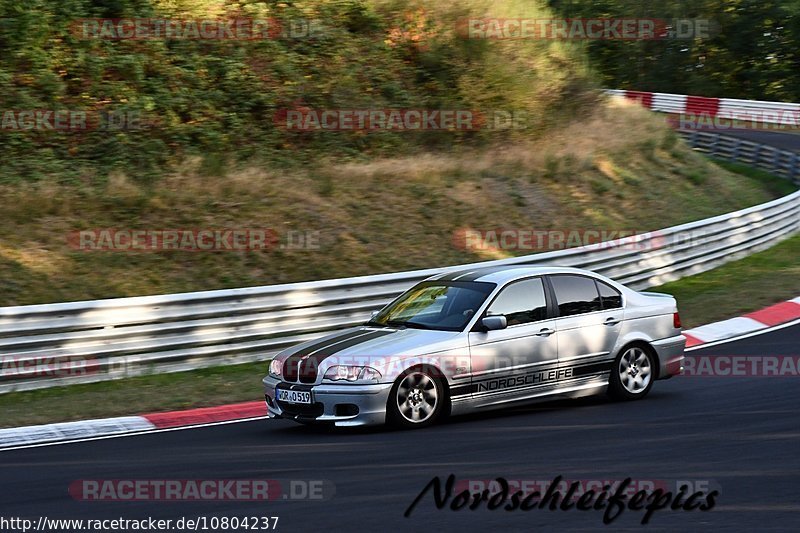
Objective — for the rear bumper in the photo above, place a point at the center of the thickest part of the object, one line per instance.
(670, 356)
(331, 403)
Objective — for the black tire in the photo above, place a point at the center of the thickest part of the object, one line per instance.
(423, 381)
(633, 373)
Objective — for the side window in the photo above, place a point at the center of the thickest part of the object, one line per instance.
(612, 299)
(521, 302)
(575, 295)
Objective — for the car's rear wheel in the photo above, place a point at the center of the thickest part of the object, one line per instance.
(416, 400)
(633, 373)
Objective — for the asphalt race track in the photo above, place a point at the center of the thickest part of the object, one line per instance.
(740, 434)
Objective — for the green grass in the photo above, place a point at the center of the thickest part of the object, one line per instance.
(385, 215)
(381, 202)
(739, 287)
(760, 280)
(164, 392)
(776, 184)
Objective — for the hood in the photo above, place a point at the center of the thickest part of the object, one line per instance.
(377, 341)
(363, 346)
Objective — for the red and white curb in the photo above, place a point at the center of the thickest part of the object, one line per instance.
(765, 318)
(109, 427)
(22, 437)
(722, 108)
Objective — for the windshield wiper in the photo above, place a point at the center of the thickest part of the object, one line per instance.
(397, 324)
(408, 324)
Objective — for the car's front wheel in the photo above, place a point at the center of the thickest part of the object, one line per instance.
(416, 400)
(633, 373)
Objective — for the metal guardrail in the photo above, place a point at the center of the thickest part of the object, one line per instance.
(769, 158)
(758, 111)
(59, 344)
(661, 102)
(749, 112)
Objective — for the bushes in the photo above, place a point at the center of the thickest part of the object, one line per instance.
(218, 99)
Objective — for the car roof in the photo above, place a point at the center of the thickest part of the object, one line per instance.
(504, 274)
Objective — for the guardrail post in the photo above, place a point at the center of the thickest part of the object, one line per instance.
(776, 163)
(793, 168)
(737, 144)
(757, 156)
(714, 145)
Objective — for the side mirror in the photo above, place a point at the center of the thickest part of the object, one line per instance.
(374, 314)
(493, 323)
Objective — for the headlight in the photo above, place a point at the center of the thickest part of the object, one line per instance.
(275, 368)
(352, 373)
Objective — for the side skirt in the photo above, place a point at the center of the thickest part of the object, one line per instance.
(595, 385)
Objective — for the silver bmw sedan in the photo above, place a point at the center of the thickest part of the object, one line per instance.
(469, 341)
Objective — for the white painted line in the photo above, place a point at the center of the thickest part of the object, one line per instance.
(132, 434)
(64, 431)
(211, 424)
(109, 428)
(725, 329)
(744, 336)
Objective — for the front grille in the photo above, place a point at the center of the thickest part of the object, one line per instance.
(308, 370)
(307, 411)
(302, 371)
(290, 369)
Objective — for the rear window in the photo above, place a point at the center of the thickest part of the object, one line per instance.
(611, 298)
(576, 295)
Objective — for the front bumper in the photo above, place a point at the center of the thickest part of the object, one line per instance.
(331, 403)
(670, 356)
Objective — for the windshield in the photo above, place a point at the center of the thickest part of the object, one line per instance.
(438, 305)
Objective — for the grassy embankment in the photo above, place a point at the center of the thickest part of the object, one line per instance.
(211, 157)
(381, 201)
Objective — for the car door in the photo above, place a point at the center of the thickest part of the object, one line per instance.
(521, 359)
(586, 331)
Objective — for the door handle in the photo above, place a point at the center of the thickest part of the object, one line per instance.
(546, 332)
(611, 321)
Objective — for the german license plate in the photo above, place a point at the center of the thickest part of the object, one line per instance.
(294, 396)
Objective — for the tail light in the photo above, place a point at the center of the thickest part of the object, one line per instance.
(676, 320)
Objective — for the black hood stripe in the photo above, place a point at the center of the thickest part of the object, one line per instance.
(290, 366)
(305, 363)
(328, 351)
(311, 348)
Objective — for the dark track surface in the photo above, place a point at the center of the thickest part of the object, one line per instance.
(742, 433)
